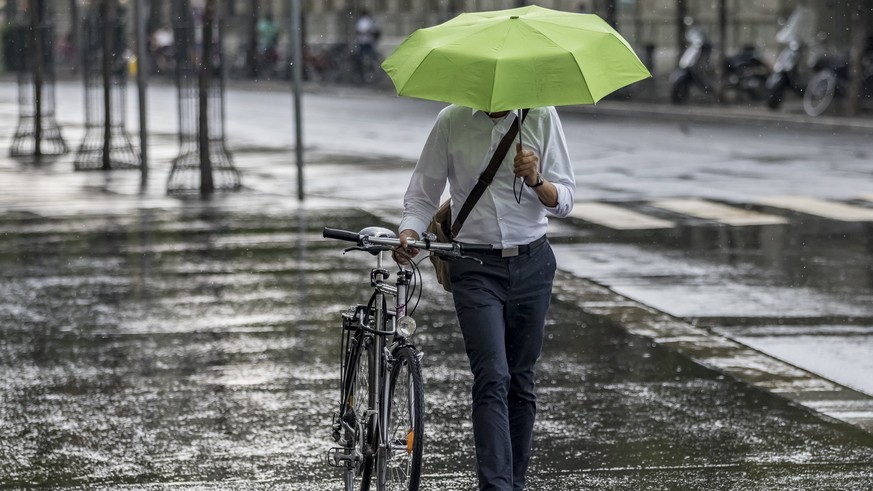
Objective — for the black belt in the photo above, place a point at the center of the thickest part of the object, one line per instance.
(506, 251)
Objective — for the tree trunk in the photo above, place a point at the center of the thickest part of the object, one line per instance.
(108, 7)
(207, 186)
(38, 60)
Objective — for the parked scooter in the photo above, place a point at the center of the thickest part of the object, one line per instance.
(831, 81)
(746, 73)
(743, 72)
(787, 74)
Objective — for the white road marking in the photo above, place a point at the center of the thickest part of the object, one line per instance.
(616, 217)
(717, 212)
(820, 207)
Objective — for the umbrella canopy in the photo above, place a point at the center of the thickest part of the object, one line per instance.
(515, 58)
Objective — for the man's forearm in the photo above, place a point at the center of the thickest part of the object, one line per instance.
(547, 193)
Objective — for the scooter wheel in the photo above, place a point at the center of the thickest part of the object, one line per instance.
(820, 92)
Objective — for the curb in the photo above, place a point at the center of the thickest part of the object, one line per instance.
(726, 114)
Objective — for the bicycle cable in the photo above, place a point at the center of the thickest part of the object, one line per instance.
(416, 282)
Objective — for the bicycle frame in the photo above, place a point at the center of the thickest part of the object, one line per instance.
(365, 434)
(383, 326)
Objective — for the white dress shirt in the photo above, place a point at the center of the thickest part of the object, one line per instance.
(460, 147)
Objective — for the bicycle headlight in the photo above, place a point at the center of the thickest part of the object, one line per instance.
(406, 326)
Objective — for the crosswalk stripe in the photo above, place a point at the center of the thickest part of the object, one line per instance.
(616, 217)
(717, 212)
(820, 207)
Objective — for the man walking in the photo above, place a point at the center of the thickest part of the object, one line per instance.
(501, 303)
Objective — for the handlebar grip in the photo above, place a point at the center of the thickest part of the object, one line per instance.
(333, 233)
(477, 247)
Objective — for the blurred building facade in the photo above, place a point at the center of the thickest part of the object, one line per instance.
(653, 27)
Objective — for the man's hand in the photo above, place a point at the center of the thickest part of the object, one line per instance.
(526, 165)
(404, 253)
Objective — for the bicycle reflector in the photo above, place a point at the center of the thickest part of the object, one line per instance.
(406, 326)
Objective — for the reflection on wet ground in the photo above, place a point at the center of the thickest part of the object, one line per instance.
(756, 284)
(200, 350)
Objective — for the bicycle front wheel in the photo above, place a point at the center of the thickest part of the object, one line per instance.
(399, 460)
(364, 399)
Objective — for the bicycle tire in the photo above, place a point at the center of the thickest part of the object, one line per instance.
(367, 371)
(399, 464)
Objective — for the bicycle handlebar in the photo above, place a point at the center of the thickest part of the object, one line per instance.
(334, 233)
(452, 250)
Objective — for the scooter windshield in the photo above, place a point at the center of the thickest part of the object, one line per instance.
(800, 27)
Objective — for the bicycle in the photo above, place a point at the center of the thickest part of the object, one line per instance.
(379, 427)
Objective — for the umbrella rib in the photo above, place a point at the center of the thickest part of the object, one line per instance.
(417, 67)
(578, 67)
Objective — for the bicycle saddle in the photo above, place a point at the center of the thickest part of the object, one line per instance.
(378, 232)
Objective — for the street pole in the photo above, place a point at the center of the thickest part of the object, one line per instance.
(139, 20)
(298, 88)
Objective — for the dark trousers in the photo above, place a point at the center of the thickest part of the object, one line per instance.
(501, 307)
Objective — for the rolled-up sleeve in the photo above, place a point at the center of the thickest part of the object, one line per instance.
(556, 165)
(428, 181)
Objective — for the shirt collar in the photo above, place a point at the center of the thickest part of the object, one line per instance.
(473, 113)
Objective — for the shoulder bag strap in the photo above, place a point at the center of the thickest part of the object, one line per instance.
(488, 174)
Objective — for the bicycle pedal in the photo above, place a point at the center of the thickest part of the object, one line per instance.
(341, 457)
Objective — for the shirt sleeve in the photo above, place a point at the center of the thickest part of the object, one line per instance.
(428, 180)
(556, 165)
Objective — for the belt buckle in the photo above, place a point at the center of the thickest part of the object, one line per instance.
(509, 252)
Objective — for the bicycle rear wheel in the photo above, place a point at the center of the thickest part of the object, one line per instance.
(399, 464)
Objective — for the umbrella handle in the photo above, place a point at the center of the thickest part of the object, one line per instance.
(518, 196)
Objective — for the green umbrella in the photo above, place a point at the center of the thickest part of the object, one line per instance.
(515, 58)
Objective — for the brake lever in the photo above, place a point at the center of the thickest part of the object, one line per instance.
(457, 256)
(471, 258)
(355, 248)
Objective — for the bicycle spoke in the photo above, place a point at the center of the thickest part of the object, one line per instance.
(402, 466)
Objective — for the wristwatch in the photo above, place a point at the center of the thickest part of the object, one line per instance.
(539, 182)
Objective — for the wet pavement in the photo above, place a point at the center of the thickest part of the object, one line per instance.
(153, 342)
(199, 349)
